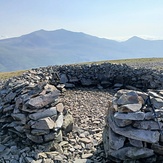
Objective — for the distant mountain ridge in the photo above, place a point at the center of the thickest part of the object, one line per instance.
(44, 48)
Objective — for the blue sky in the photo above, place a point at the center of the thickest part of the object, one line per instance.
(115, 19)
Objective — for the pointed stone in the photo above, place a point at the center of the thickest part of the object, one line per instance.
(44, 123)
(59, 121)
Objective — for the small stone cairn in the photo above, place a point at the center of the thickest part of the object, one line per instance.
(33, 111)
(131, 131)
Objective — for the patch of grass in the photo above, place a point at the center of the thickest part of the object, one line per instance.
(137, 60)
(7, 75)
(125, 61)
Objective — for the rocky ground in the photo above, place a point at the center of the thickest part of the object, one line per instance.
(84, 144)
(88, 107)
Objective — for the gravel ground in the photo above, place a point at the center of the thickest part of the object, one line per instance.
(88, 107)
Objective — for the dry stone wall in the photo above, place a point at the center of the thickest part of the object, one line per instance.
(30, 106)
(133, 129)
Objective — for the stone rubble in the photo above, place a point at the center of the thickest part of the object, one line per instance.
(56, 113)
(139, 137)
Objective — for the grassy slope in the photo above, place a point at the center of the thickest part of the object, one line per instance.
(6, 75)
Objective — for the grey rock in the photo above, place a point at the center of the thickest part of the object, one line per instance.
(69, 85)
(130, 108)
(128, 98)
(2, 147)
(59, 121)
(46, 113)
(130, 116)
(60, 107)
(10, 97)
(44, 123)
(85, 140)
(41, 101)
(157, 102)
(83, 161)
(49, 137)
(122, 122)
(63, 79)
(137, 153)
(115, 141)
(39, 132)
(157, 148)
(148, 125)
(9, 108)
(50, 88)
(137, 134)
(68, 123)
(86, 82)
(36, 139)
(136, 143)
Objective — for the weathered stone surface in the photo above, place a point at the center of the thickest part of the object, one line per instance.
(132, 153)
(44, 123)
(46, 113)
(128, 98)
(60, 107)
(137, 153)
(63, 79)
(157, 148)
(83, 161)
(41, 101)
(130, 108)
(85, 140)
(68, 123)
(36, 139)
(115, 141)
(122, 122)
(39, 132)
(157, 102)
(130, 116)
(2, 148)
(148, 125)
(9, 108)
(136, 143)
(59, 122)
(137, 134)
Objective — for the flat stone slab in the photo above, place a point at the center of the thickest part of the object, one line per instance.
(44, 123)
(131, 153)
(130, 116)
(46, 113)
(147, 125)
(43, 100)
(137, 134)
(130, 108)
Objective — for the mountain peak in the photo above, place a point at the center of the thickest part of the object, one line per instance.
(135, 38)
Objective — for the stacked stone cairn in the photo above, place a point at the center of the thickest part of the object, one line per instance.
(132, 131)
(31, 113)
